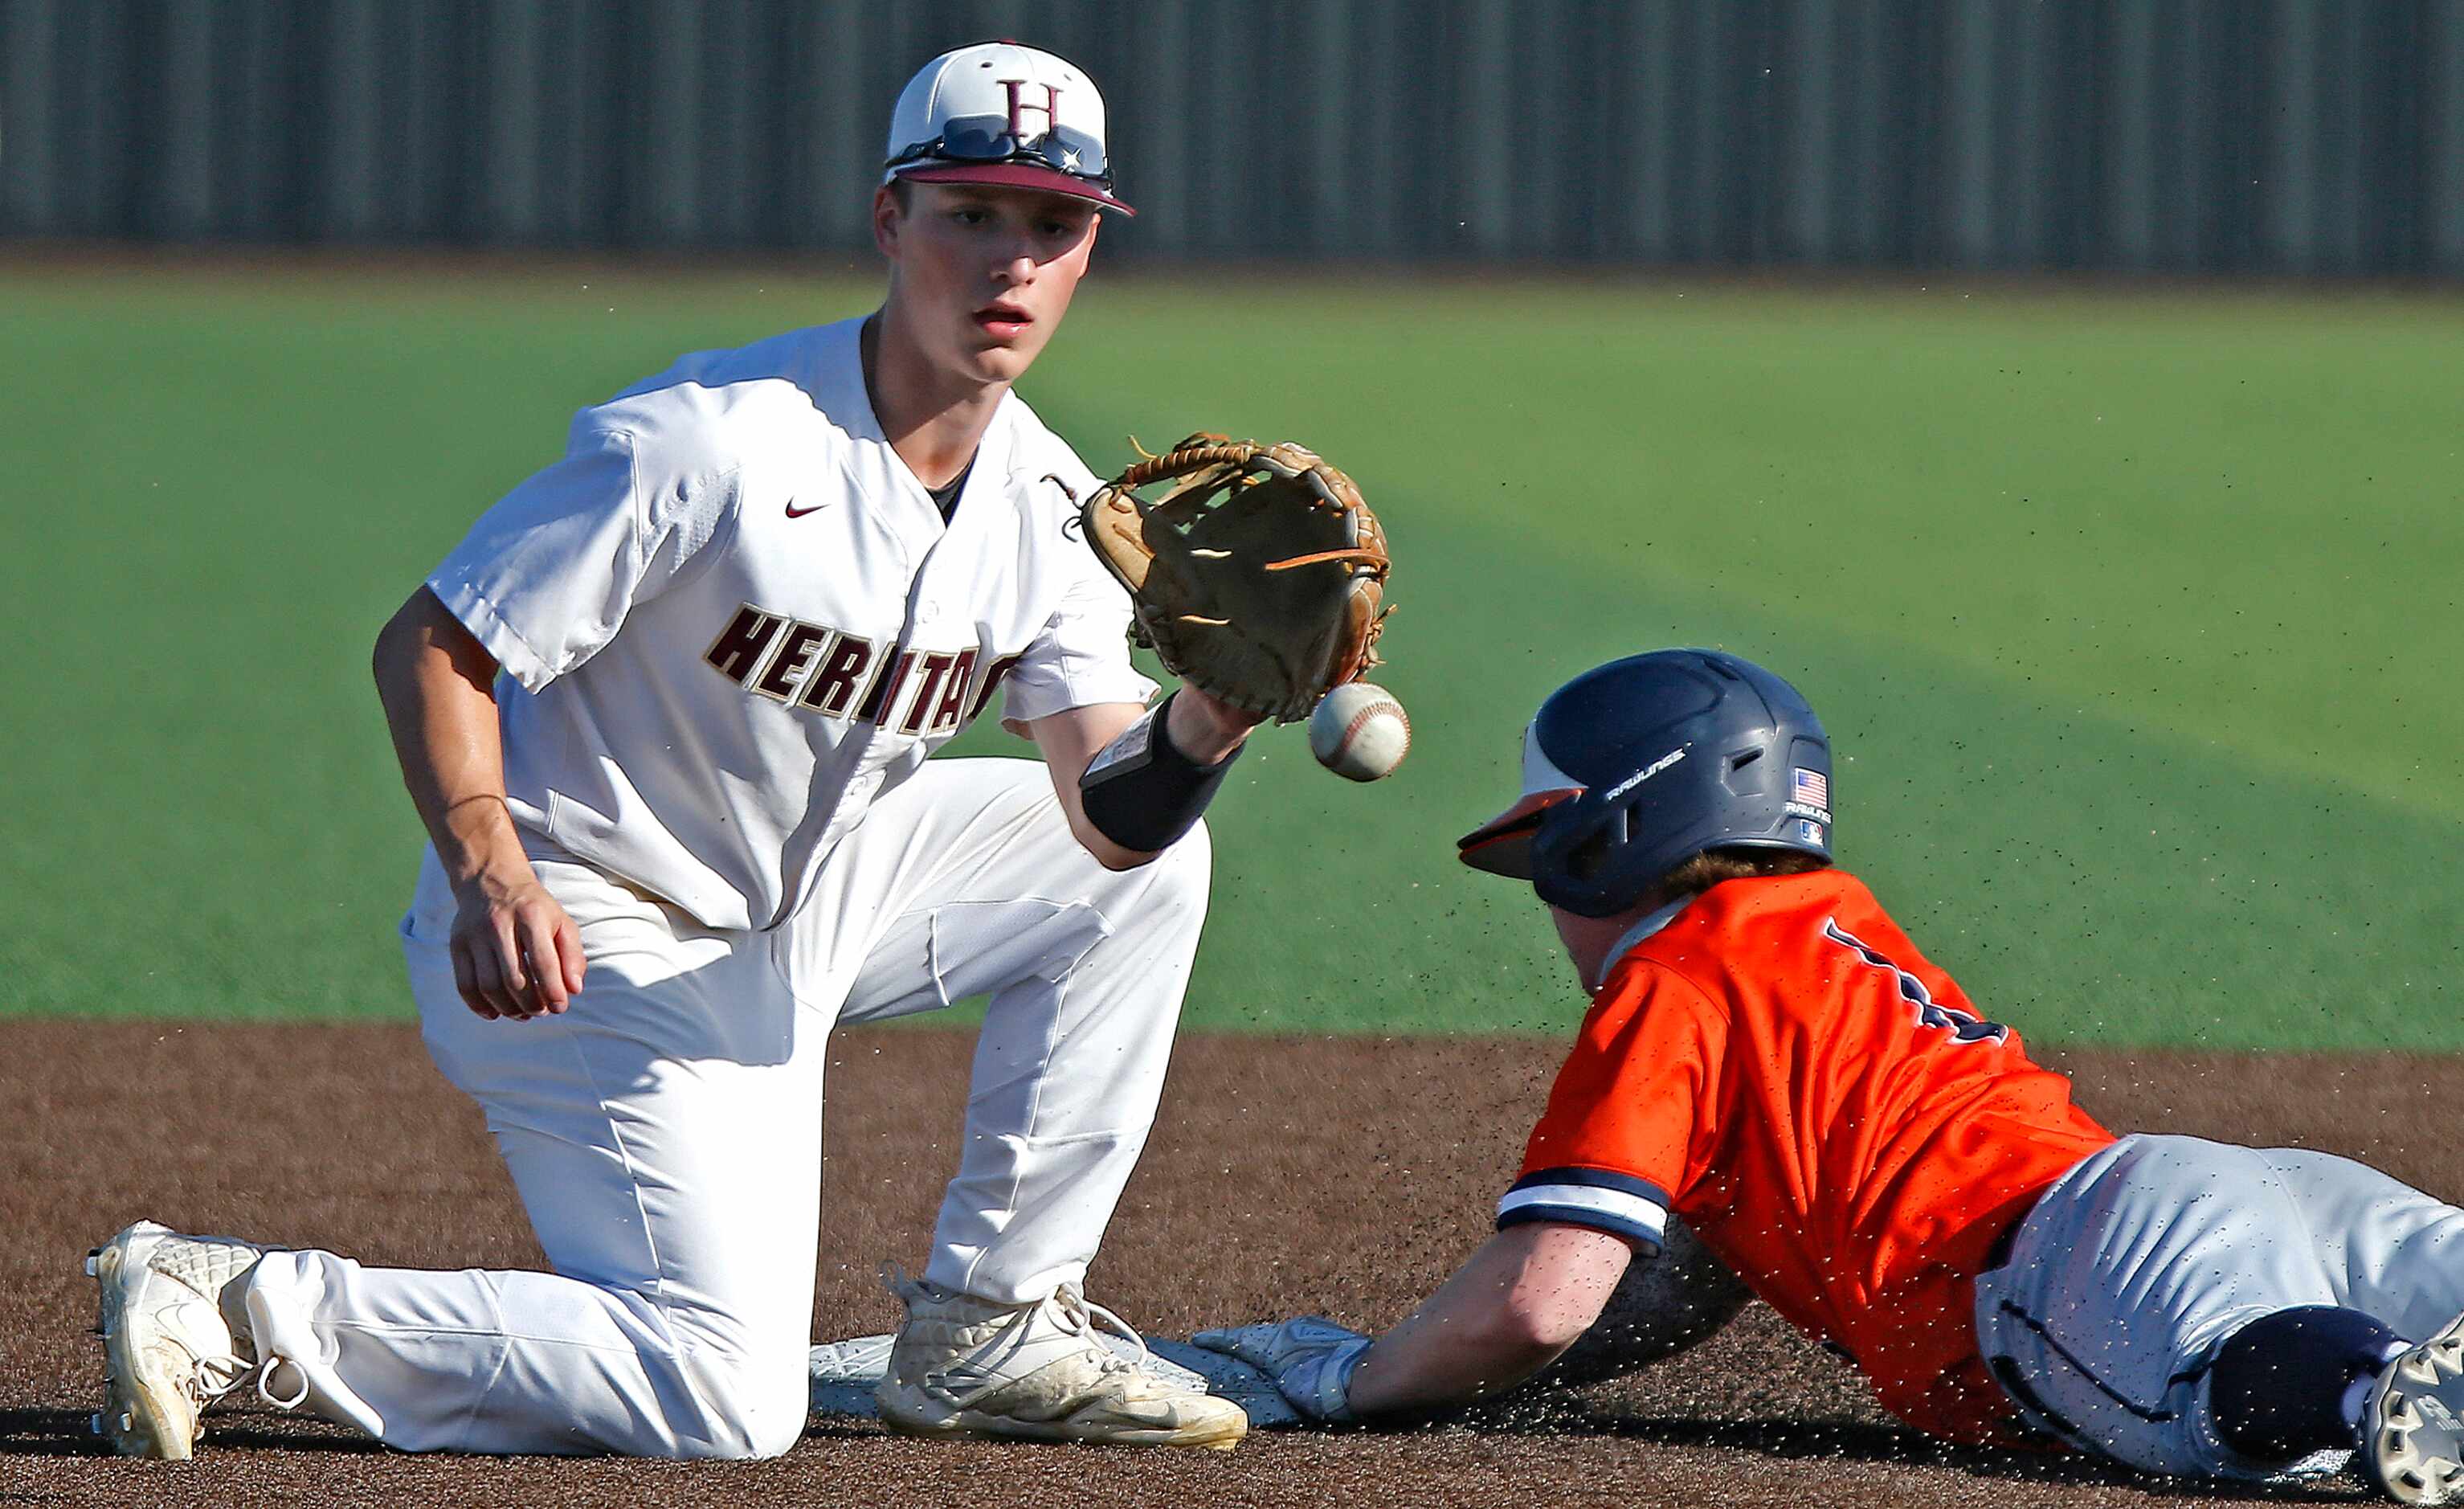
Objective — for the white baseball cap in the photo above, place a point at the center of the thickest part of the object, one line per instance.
(1002, 114)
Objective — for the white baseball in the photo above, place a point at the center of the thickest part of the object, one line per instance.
(1360, 732)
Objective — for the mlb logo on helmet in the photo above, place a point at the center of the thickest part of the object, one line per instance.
(1809, 831)
(1005, 116)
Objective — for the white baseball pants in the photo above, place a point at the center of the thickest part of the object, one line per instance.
(666, 1132)
(2135, 1266)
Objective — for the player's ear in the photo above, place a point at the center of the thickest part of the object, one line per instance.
(888, 214)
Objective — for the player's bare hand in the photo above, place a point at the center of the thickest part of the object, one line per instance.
(516, 953)
(1207, 729)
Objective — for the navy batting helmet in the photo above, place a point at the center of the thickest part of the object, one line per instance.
(1633, 768)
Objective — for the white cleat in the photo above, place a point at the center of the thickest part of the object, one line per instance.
(2412, 1428)
(167, 1350)
(965, 1369)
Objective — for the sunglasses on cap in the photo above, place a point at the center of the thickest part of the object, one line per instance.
(988, 138)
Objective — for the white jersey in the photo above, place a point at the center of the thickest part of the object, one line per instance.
(731, 617)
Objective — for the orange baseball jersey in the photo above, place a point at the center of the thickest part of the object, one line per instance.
(1777, 1064)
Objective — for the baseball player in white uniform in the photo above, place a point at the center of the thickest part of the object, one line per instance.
(665, 712)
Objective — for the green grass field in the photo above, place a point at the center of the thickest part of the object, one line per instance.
(2132, 614)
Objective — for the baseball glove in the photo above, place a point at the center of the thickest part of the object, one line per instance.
(1257, 576)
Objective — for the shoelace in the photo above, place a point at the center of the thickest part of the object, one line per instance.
(1074, 1315)
(216, 1376)
(1088, 1318)
(202, 1265)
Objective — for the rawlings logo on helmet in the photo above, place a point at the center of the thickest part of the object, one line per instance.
(1645, 773)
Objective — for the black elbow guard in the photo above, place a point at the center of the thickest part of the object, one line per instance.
(1142, 794)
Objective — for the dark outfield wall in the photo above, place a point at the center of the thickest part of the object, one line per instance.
(2283, 136)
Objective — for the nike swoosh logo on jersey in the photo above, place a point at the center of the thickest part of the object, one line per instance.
(794, 512)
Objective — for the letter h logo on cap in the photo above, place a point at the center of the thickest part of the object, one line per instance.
(991, 113)
(1052, 108)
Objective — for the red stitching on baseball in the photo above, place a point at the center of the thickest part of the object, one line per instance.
(1360, 720)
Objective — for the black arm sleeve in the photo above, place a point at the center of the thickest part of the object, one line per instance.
(1142, 794)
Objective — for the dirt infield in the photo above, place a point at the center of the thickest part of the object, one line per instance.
(1340, 1175)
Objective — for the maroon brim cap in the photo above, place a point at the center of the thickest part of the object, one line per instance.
(1019, 175)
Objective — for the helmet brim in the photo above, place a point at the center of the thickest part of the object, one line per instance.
(1503, 845)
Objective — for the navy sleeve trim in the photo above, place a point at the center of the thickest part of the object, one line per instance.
(1595, 1179)
(1619, 1212)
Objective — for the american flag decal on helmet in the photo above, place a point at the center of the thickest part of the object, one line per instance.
(1811, 786)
